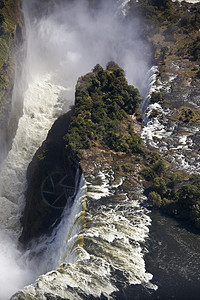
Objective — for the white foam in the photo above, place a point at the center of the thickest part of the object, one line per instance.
(98, 191)
(39, 113)
(114, 237)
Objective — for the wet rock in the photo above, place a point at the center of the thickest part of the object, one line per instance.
(52, 183)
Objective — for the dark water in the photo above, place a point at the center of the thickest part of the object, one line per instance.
(173, 259)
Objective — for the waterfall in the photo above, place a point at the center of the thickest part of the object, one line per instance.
(154, 128)
(33, 127)
(63, 44)
(50, 251)
(111, 243)
(150, 79)
(175, 140)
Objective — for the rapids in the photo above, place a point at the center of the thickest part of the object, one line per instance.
(110, 247)
(179, 142)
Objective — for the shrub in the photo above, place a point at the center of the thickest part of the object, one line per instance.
(159, 167)
(128, 167)
(148, 173)
(156, 97)
(155, 199)
(103, 100)
(188, 195)
(159, 185)
(186, 115)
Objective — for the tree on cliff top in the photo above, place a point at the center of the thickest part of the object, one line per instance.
(103, 102)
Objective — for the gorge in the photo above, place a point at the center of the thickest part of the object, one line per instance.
(105, 243)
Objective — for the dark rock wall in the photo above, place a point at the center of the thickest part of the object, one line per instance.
(52, 183)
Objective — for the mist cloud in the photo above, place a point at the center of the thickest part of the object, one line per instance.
(13, 274)
(74, 37)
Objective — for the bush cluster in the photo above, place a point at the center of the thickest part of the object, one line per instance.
(103, 101)
(195, 49)
(177, 196)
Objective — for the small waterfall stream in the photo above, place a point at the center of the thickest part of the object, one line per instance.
(177, 141)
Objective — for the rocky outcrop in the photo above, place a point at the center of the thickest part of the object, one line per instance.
(53, 180)
(54, 173)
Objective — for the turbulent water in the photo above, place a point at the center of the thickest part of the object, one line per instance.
(178, 141)
(110, 245)
(39, 113)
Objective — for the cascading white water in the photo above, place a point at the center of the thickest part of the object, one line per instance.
(173, 139)
(150, 79)
(38, 115)
(153, 127)
(114, 237)
(48, 252)
(61, 47)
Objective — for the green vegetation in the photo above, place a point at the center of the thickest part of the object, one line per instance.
(103, 104)
(187, 114)
(155, 168)
(156, 97)
(171, 28)
(176, 194)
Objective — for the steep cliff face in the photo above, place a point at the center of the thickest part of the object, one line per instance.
(53, 180)
(11, 37)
